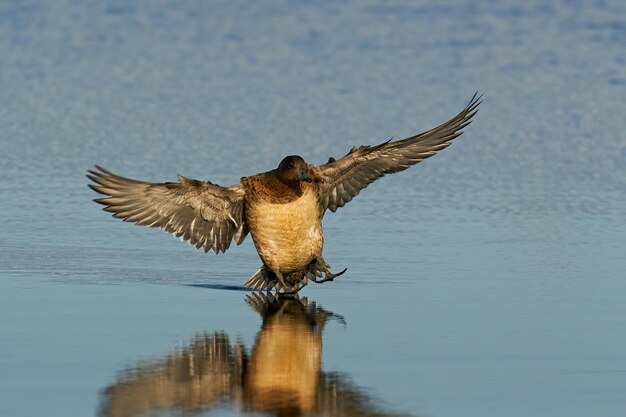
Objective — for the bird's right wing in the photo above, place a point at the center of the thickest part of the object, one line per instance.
(195, 378)
(204, 214)
(339, 396)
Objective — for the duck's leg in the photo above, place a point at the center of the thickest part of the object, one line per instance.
(276, 286)
(298, 285)
(322, 266)
(329, 276)
(281, 280)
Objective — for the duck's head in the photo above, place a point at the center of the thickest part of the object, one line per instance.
(293, 169)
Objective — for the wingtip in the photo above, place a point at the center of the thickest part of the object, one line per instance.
(103, 170)
(96, 188)
(472, 107)
(474, 101)
(98, 172)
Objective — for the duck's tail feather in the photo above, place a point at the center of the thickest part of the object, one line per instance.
(258, 281)
(263, 280)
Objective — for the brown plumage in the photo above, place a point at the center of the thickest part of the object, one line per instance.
(282, 209)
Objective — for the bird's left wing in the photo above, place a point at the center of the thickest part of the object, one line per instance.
(204, 214)
(341, 180)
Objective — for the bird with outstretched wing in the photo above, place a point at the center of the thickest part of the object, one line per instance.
(281, 209)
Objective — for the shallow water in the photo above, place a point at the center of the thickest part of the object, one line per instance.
(486, 281)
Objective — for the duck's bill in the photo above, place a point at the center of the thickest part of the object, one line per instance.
(304, 176)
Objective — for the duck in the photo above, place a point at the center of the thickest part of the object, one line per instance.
(282, 209)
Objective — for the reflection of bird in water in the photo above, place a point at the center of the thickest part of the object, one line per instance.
(285, 364)
(282, 376)
(282, 208)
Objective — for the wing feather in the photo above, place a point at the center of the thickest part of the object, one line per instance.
(341, 180)
(204, 214)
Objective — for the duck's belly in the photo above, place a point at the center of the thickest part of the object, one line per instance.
(287, 236)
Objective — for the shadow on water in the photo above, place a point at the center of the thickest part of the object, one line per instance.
(282, 375)
(220, 287)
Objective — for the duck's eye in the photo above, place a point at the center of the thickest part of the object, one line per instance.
(291, 165)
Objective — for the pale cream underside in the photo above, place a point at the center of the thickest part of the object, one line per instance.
(287, 236)
(285, 365)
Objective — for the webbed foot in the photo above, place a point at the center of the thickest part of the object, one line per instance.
(329, 276)
(321, 268)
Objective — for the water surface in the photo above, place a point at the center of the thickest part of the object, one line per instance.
(486, 281)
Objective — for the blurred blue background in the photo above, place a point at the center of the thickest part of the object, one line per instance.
(485, 281)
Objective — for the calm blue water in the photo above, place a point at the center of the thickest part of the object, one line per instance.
(486, 281)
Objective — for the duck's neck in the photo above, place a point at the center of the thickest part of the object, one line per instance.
(285, 188)
(268, 187)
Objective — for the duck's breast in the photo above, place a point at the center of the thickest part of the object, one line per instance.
(287, 236)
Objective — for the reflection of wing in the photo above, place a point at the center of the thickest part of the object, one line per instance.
(341, 180)
(202, 375)
(204, 214)
(338, 396)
